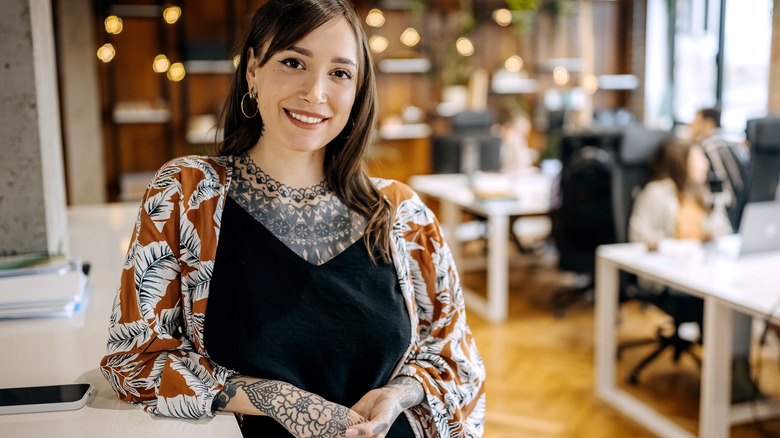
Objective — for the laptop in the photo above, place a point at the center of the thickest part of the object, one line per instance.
(760, 227)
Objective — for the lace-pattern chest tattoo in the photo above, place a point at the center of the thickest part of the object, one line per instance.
(312, 221)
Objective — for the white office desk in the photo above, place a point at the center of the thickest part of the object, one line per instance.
(455, 194)
(750, 285)
(68, 350)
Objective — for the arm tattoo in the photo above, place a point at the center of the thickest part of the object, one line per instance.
(224, 396)
(302, 413)
(412, 392)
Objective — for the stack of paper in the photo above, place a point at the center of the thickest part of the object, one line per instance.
(52, 289)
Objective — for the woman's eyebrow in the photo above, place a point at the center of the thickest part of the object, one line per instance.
(310, 54)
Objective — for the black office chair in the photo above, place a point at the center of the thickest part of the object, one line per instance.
(763, 135)
(583, 220)
(631, 172)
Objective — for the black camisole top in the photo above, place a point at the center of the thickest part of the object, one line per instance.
(337, 330)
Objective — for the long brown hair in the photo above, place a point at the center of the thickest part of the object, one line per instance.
(671, 161)
(277, 25)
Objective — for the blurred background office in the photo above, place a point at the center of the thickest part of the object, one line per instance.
(580, 92)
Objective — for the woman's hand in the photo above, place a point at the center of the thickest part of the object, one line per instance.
(302, 413)
(383, 405)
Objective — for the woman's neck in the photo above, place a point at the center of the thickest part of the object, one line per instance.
(293, 168)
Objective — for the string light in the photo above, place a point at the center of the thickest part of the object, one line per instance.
(561, 76)
(106, 52)
(410, 37)
(375, 18)
(172, 14)
(378, 44)
(176, 72)
(590, 83)
(514, 63)
(503, 17)
(161, 64)
(113, 24)
(464, 46)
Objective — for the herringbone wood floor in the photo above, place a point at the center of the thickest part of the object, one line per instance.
(540, 368)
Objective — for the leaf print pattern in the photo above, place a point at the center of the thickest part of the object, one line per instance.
(165, 285)
(159, 209)
(197, 282)
(189, 243)
(155, 267)
(123, 337)
(205, 190)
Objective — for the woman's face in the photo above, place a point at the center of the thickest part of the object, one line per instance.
(698, 165)
(305, 92)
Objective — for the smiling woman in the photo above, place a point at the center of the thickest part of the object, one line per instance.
(305, 94)
(328, 300)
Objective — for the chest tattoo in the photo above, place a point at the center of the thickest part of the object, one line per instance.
(311, 221)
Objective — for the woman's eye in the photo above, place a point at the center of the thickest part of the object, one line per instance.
(292, 63)
(342, 74)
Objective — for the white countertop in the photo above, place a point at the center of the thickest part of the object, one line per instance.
(68, 350)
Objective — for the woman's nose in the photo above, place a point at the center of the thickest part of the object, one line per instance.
(314, 91)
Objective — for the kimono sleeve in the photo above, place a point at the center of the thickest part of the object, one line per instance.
(445, 358)
(150, 357)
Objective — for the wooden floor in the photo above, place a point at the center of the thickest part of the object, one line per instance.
(540, 368)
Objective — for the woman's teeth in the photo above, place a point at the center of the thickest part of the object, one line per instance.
(305, 119)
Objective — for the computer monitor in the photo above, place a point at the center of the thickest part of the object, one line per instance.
(462, 153)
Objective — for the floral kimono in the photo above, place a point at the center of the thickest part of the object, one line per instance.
(156, 356)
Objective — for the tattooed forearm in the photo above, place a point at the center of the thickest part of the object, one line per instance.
(222, 399)
(411, 391)
(302, 413)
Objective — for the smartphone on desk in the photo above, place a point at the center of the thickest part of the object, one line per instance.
(44, 398)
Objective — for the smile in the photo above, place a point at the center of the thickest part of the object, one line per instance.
(305, 119)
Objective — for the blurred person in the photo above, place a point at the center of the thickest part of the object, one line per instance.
(515, 153)
(277, 280)
(676, 203)
(728, 161)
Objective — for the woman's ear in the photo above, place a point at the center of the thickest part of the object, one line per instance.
(251, 66)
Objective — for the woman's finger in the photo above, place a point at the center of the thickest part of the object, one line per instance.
(374, 428)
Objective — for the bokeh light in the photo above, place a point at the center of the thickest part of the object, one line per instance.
(161, 64)
(106, 52)
(503, 17)
(561, 76)
(176, 72)
(378, 43)
(590, 83)
(375, 18)
(464, 46)
(113, 24)
(172, 14)
(410, 37)
(514, 63)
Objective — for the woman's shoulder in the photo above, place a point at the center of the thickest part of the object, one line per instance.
(658, 190)
(660, 185)
(394, 191)
(198, 167)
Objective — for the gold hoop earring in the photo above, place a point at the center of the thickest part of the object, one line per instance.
(252, 97)
(352, 128)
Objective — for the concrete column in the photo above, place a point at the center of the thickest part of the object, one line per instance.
(32, 189)
(774, 64)
(80, 103)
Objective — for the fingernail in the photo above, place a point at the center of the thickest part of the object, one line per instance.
(351, 433)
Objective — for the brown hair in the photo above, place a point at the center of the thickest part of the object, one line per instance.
(671, 161)
(711, 114)
(277, 25)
